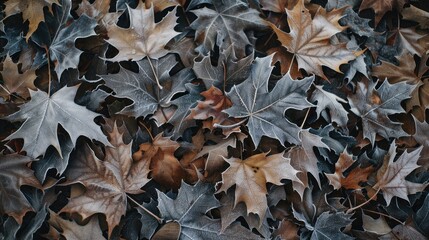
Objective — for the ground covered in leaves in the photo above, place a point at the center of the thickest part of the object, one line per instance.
(207, 119)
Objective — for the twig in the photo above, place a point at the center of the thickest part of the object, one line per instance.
(383, 214)
(147, 130)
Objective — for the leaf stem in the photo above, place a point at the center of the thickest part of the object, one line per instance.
(49, 71)
(305, 118)
(363, 204)
(383, 214)
(229, 126)
(145, 209)
(154, 73)
(147, 130)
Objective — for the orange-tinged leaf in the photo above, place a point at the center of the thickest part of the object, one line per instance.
(356, 176)
(381, 7)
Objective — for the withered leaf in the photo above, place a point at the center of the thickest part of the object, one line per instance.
(107, 181)
(250, 177)
(141, 40)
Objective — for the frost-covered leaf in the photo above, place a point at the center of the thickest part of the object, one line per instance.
(43, 113)
(264, 109)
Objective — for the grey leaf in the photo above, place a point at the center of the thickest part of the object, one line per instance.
(265, 110)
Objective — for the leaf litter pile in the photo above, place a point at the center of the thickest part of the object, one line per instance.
(207, 119)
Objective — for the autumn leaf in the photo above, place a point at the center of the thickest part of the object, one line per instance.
(391, 176)
(309, 40)
(192, 203)
(14, 173)
(32, 11)
(264, 110)
(304, 159)
(16, 82)
(107, 181)
(141, 40)
(72, 231)
(43, 113)
(251, 175)
(225, 25)
(165, 167)
(142, 87)
(379, 103)
(354, 177)
(382, 7)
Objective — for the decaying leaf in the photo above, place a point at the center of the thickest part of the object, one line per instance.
(309, 39)
(107, 181)
(379, 104)
(353, 178)
(142, 40)
(14, 172)
(14, 81)
(391, 176)
(251, 175)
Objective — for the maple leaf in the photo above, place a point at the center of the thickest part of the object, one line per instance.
(410, 41)
(225, 26)
(14, 81)
(278, 5)
(189, 209)
(32, 11)
(230, 212)
(43, 113)
(160, 5)
(328, 226)
(70, 230)
(405, 71)
(216, 154)
(211, 109)
(62, 48)
(309, 39)
(391, 176)
(251, 175)
(265, 110)
(98, 9)
(379, 103)
(14, 173)
(142, 87)
(107, 182)
(141, 40)
(327, 100)
(303, 159)
(417, 15)
(229, 69)
(164, 166)
(381, 7)
(353, 178)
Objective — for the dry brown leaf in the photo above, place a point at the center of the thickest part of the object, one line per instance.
(391, 176)
(165, 167)
(278, 5)
(14, 81)
(416, 14)
(309, 39)
(287, 230)
(160, 5)
(107, 182)
(381, 7)
(356, 176)
(32, 11)
(250, 177)
(141, 40)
